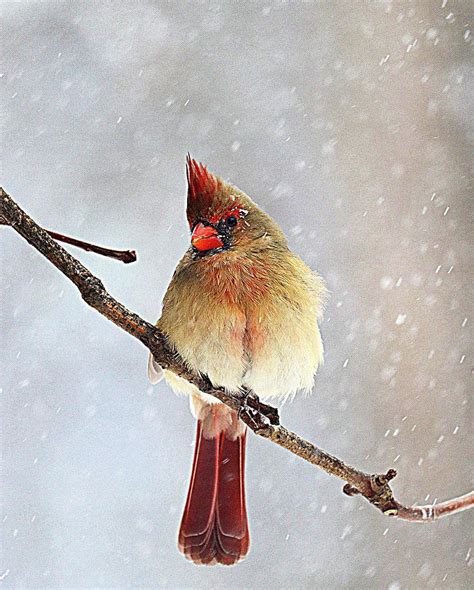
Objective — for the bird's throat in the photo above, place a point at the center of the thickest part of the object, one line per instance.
(234, 279)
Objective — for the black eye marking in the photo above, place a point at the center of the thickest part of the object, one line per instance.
(231, 221)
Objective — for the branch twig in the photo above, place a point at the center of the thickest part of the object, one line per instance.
(125, 256)
(259, 417)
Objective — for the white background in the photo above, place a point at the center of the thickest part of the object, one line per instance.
(350, 123)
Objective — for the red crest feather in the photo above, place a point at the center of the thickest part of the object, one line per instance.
(202, 186)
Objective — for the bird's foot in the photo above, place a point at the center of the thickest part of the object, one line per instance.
(256, 410)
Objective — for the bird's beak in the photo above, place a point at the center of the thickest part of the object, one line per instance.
(205, 237)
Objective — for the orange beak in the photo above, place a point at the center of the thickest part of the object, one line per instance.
(205, 237)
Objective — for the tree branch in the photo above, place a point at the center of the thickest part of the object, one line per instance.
(125, 256)
(259, 417)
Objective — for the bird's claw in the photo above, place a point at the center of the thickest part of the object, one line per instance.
(244, 407)
(252, 412)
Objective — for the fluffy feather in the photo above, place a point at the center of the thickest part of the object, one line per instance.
(244, 315)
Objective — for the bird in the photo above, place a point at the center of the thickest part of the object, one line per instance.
(243, 310)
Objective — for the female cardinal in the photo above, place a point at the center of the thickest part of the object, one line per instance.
(243, 310)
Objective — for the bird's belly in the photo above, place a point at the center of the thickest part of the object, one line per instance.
(274, 350)
(283, 354)
(273, 357)
(211, 343)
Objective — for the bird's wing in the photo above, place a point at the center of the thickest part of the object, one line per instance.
(155, 373)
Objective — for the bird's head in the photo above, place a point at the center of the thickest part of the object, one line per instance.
(221, 217)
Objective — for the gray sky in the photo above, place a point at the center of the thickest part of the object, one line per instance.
(351, 124)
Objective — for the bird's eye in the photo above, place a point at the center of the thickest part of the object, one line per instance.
(231, 221)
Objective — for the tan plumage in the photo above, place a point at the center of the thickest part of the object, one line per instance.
(245, 314)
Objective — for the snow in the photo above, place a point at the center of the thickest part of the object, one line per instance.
(401, 319)
(352, 129)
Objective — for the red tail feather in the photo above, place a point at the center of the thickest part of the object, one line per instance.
(214, 527)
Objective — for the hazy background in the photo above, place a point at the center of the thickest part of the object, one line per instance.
(349, 122)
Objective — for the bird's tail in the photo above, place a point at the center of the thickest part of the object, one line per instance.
(214, 528)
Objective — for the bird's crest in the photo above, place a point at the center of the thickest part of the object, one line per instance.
(202, 188)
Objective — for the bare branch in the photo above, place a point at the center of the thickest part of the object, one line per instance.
(125, 256)
(431, 512)
(259, 417)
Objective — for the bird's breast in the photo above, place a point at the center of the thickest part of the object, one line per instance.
(242, 324)
(240, 282)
